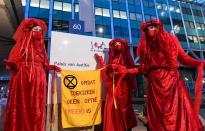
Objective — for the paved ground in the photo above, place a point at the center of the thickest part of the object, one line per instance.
(141, 127)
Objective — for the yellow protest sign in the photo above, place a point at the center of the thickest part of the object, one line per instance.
(81, 98)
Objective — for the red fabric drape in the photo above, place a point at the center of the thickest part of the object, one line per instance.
(25, 110)
(169, 105)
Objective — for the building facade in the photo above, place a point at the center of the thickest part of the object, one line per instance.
(122, 18)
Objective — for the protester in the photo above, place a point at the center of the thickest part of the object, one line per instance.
(28, 63)
(118, 112)
(168, 103)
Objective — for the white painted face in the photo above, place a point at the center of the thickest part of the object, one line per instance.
(37, 28)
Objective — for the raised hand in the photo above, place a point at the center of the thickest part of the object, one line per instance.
(53, 67)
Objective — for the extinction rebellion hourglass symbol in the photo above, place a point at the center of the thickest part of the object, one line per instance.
(70, 81)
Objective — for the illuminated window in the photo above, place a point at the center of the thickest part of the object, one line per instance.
(201, 39)
(133, 16)
(159, 6)
(98, 11)
(106, 12)
(195, 39)
(190, 38)
(116, 13)
(171, 8)
(34, 3)
(123, 15)
(76, 8)
(67, 7)
(44, 4)
(57, 5)
(23, 2)
(177, 10)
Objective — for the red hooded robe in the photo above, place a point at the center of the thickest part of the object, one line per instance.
(119, 116)
(28, 62)
(169, 105)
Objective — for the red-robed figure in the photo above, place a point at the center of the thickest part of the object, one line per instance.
(118, 111)
(169, 105)
(28, 62)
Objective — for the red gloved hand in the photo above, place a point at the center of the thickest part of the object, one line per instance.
(53, 67)
(11, 65)
(123, 70)
(119, 69)
(99, 60)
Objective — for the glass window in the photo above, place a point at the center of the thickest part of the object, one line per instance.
(145, 3)
(186, 24)
(171, 8)
(197, 12)
(122, 1)
(125, 32)
(76, 8)
(57, 25)
(57, 5)
(98, 11)
(159, 6)
(190, 38)
(44, 4)
(23, 2)
(151, 4)
(123, 15)
(147, 17)
(34, 3)
(191, 25)
(178, 22)
(117, 30)
(106, 12)
(177, 9)
(67, 7)
(201, 38)
(139, 17)
(164, 6)
(133, 16)
(198, 26)
(195, 39)
(131, 2)
(202, 26)
(116, 13)
(135, 32)
(181, 37)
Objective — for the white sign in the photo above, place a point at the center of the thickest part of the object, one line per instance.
(76, 52)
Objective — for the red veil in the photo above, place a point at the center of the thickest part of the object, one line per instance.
(23, 36)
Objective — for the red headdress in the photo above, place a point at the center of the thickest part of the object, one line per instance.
(162, 36)
(125, 58)
(23, 38)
